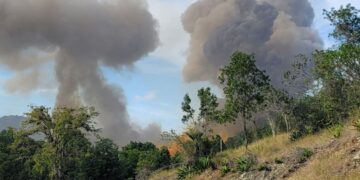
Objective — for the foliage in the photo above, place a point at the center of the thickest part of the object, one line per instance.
(224, 170)
(336, 130)
(336, 76)
(184, 171)
(356, 124)
(346, 22)
(245, 88)
(66, 143)
(264, 167)
(246, 162)
(278, 160)
(65, 152)
(309, 117)
(239, 139)
(306, 154)
(102, 161)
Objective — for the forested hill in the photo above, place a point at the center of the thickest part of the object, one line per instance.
(10, 121)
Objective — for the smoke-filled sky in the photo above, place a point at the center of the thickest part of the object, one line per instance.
(134, 59)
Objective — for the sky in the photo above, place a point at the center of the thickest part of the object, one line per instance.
(154, 87)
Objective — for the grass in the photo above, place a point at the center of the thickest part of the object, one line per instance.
(331, 164)
(270, 148)
(164, 174)
(324, 165)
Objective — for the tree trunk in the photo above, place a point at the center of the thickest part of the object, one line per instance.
(286, 123)
(245, 132)
(272, 126)
(255, 127)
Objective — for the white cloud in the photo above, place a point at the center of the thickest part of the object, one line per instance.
(174, 40)
(151, 95)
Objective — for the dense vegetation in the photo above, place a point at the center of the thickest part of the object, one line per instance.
(65, 151)
(319, 92)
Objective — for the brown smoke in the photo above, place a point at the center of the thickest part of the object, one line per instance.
(84, 35)
(275, 30)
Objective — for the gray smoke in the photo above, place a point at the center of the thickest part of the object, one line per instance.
(275, 30)
(80, 36)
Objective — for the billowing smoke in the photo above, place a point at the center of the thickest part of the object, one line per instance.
(79, 36)
(275, 30)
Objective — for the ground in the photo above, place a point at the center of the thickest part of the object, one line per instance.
(333, 158)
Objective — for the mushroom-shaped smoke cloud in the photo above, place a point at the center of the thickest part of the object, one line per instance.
(81, 36)
(275, 30)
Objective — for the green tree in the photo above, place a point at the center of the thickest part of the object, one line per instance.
(245, 88)
(346, 22)
(198, 127)
(65, 139)
(103, 162)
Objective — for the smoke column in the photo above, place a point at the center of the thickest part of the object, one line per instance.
(275, 30)
(80, 36)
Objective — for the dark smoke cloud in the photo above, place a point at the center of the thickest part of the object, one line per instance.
(275, 30)
(81, 36)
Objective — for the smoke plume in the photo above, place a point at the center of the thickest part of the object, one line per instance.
(80, 36)
(275, 30)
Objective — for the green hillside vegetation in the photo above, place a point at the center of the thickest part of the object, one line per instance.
(311, 131)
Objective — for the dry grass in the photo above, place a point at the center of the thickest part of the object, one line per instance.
(328, 163)
(269, 148)
(164, 175)
(331, 163)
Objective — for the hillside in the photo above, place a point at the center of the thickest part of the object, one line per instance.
(319, 156)
(10, 121)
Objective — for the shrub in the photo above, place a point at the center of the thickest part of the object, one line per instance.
(202, 163)
(306, 154)
(278, 160)
(336, 130)
(264, 167)
(296, 134)
(246, 162)
(224, 170)
(184, 171)
(356, 124)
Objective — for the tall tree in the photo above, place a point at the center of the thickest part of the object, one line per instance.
(65, 139)
(198, 127)
(346, 22)
(245, 88)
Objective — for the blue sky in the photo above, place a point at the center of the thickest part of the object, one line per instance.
(154, 88)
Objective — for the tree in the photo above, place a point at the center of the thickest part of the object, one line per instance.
(103, 162)
(16, 155)
(278, 105)
(245, 88)
(207, 111)
(346, 22)
(198, 127)
(65, 140)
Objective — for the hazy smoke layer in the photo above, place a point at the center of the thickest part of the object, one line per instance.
(83, 35)
(275, 30)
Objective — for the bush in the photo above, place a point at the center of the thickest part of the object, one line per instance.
(184, 171)
(264, 167)
(306, 154)
(224, 170)
(202, 164)
(336, 130)
(278, 161)
(246, 162)
(357, 124)
(296, 134)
